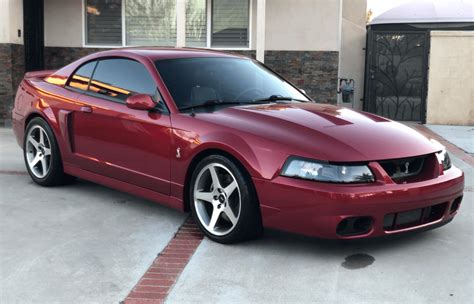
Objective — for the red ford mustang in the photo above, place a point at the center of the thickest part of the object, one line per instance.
(232, 142)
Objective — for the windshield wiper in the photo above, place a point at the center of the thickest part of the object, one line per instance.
(217, 102)
(275, 98)
(214, 102)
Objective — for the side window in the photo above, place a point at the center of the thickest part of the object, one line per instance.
(120, 78)
(80, 79)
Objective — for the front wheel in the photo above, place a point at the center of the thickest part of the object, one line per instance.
(223, 201)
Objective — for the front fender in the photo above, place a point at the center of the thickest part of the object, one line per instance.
(234, 145)
(187, 145)
(260, 157)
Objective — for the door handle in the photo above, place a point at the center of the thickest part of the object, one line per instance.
(86, 109)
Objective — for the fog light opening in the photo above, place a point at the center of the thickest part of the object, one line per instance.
(455, 205)
(363, 224)
(354, 226)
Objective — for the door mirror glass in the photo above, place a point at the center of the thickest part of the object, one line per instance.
(140, 102)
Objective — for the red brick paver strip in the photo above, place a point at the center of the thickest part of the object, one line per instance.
(466, 157)
(160, 278)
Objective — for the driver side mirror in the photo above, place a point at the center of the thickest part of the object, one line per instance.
(140, 102)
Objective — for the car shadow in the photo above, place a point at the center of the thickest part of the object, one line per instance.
(273, 241)
(111, 198)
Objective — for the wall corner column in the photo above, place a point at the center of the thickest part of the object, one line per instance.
(181, 23)
(260, 41)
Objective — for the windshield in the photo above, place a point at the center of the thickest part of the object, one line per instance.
(195, 82)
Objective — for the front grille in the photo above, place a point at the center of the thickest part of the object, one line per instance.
(412, 169)
(411, 218)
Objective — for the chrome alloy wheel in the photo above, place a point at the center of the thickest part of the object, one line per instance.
(217, 199)
(38, 151)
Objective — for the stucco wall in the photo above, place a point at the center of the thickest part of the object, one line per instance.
(11, 20)
(302, 25)
(352, 54)
(63, 23)
(450, 78)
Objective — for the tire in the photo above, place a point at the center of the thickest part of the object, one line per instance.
(227, 211)
(42, 156)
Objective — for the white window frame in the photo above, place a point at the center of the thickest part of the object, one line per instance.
(208, 29)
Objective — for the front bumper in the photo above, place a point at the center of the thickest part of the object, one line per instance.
(316, 209)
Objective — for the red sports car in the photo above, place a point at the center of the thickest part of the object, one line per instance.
(234, 143)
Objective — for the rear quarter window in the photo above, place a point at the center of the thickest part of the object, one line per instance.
(81, 78)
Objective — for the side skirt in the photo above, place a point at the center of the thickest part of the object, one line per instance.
(162, 199)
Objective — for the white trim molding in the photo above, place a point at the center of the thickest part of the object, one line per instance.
(260, 45)
(180, 23)
(339, 47)
(124, 25)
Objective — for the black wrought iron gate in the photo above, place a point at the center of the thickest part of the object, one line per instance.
(396, 75)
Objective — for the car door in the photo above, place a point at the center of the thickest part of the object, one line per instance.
(111, 139)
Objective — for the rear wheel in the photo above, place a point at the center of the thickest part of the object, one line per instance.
(223, 201)
(41, 154)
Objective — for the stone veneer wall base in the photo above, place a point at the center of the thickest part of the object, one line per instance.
(313, 71)
(12, 69)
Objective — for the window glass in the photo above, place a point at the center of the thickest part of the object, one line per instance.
(230, 23)
(104, 22)
(80, 79)
(120, 78)
(196, 23)
(198, 81)
(151, 22)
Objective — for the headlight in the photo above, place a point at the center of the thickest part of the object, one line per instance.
(442, 155)
(325, 172)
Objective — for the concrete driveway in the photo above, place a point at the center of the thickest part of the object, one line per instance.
(80, 243)
(85, 243)
(426, 267)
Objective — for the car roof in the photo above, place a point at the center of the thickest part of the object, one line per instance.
(161, 53)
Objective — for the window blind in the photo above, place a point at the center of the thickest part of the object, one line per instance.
(104, 22)
(196, 23)
(230, 23)
(150, 22)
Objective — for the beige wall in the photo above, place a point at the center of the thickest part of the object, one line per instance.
(11, 20)
(306, 25)
(450, 80)
(4, 23)
(63, 23)
(352, 55)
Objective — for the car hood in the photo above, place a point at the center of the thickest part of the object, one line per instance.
(324, 132)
